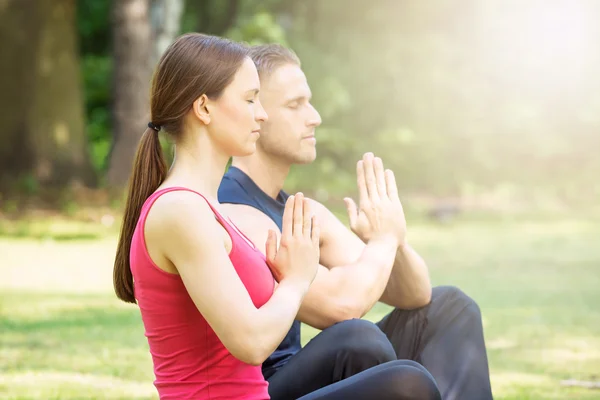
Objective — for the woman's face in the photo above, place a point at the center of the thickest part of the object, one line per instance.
(235, 117)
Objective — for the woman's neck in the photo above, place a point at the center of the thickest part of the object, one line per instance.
(199, 169)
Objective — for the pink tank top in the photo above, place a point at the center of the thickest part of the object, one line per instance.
(190, 362)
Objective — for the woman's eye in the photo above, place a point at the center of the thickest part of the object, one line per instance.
(251, 101)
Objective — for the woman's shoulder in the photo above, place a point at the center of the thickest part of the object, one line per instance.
(175, 212)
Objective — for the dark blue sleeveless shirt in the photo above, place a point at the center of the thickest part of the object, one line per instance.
(237, 188)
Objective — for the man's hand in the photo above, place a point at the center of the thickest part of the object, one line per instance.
(380, 214)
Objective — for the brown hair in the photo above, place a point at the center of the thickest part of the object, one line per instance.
(269, 57)
(193, 65)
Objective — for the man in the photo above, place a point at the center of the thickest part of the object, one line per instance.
(440, 328)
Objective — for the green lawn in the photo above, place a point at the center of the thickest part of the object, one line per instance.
(64, 335)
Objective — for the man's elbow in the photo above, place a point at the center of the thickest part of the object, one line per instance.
(344, 310)
(424, 299)
(418, 300)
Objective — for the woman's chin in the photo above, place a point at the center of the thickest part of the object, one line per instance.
(247, 150)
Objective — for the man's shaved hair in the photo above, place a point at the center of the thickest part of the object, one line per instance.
(269, 57)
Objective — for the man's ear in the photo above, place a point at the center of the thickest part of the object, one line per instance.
(200, 108)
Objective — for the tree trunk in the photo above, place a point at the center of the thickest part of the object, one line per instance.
(131, 85)
(18, 48)
(43, 135)
(166, 21)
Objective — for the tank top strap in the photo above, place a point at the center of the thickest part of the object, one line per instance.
(160, 192)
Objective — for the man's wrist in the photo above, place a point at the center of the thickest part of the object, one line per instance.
(385, 240)
(403, 245)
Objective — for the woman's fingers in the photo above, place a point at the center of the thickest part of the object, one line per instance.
(306, 228)
(298, 215)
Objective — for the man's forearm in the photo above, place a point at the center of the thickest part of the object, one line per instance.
(409, 285)
(364, 282)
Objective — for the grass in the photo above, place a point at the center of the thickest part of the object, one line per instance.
(63, 335)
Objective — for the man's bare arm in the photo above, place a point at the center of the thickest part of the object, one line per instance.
(356, 274)
(408, 285)
(360, 275)
(336, 294)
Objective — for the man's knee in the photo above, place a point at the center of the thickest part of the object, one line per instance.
(408, 381)
(361, 342)
(455, 298)
(454, 301)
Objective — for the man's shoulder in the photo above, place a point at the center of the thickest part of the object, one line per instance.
(236, 199)
(238, 188)
(231, 190)
(320, 210)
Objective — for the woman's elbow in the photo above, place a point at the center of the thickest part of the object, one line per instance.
(249, 349)
(255, 359)
(250, 354)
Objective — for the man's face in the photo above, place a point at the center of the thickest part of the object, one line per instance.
(289, 133)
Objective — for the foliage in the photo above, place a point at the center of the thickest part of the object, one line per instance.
(93, 18)
(451, 114)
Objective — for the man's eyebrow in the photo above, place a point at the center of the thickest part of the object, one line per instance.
(297, 98)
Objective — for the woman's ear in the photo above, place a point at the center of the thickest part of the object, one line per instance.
(200, 107)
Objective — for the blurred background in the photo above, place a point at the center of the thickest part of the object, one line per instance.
(488, 112)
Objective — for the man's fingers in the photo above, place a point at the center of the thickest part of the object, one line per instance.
(363, 194)
(315, 231)
(298, 214)
(288, 217)
(352, 211)
(390, 181)
(307, 219)
(370, 177)
(380, 177)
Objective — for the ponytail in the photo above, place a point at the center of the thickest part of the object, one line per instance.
(149, 171)
(193, 65)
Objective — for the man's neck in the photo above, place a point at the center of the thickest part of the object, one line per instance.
(268, 174)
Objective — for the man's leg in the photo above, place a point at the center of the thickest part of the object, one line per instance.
(338, 352)
(445, 336)
(394, 380)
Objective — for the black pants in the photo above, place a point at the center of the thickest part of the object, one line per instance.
(446, 337)
(393, 380)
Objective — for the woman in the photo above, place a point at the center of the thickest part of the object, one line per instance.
(211, 310)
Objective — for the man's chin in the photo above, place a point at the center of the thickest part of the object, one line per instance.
(306, 158)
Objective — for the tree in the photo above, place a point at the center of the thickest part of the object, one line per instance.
(132, 51)
(43, 137)
(166, 21)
